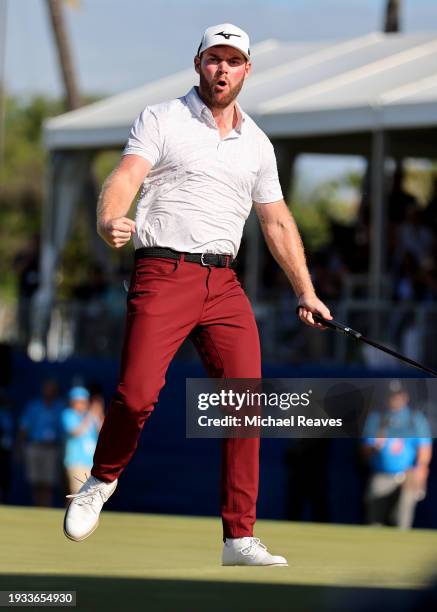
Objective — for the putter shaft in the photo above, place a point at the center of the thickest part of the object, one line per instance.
(348, 331)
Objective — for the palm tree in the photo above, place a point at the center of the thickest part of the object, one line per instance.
(64, 54)
(392, 16)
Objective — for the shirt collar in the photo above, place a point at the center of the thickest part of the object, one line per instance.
(399, 415)
(201, 111)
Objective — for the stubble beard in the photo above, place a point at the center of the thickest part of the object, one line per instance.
(209, 96)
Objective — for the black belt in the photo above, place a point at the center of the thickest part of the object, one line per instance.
(205, 259)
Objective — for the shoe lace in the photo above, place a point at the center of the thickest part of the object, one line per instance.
(88, 497)
(252, 547)
(81, 481)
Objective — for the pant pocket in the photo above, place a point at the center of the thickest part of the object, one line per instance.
(149, 269)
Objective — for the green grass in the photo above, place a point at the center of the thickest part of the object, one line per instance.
(166, 563)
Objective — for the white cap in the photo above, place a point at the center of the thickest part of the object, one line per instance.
(225, 34)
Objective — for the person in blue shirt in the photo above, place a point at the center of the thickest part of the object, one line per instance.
(81, 424)
(398, 448)
(40, 435)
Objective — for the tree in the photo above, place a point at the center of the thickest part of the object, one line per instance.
(22, 178)
(392, 16)
(64, 54)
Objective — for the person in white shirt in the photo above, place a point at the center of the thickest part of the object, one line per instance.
(202, 162)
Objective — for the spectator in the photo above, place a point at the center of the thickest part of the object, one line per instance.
(407, 285)
(328, 273)
(415, 238)
(94, 288)
(97, 401)
(91, 333)
(6, 440)
(81, 424)
(40, 432)
(399, 200)
(398, 447)
(430, 212)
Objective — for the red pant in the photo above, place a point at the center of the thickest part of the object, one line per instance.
(169, 300)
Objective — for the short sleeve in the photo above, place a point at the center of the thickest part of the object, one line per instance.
(267, 187)
(422, 429)
(68, 421)
(371, 428)
(144, 138)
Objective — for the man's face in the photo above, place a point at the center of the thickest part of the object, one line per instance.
(50, 391)
(398, 400)
(80, 405)
(222, 71)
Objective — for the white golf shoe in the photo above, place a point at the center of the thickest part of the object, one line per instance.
(82, 514)
(249, 551)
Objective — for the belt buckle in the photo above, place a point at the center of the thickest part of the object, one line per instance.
(201, 260)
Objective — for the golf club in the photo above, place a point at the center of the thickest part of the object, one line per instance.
(348, 331)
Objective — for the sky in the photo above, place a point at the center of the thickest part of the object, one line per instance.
(120, 44)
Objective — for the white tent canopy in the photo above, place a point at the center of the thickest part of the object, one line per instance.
(371, 95)
(378, 80)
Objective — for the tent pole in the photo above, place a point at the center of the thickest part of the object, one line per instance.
(254, 249)
(90, 196)
(377, 243)
(285, 158)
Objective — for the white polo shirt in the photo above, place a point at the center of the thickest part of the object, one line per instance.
(199, 192)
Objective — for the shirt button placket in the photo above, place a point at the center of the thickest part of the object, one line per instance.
(221, 149)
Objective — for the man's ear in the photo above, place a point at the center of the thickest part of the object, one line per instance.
(248, 68)
(197, 64)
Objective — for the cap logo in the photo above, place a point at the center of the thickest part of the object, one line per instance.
(226, 35)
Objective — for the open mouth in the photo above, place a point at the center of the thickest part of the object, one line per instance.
(221, 83)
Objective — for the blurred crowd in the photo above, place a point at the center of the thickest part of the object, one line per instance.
(411, 241)
(411, 250)
(54, 440)
(411, 231)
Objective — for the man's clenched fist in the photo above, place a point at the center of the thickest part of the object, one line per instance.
(116, 232)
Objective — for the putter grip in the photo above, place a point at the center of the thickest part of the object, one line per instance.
(319, 319)
(328, 323)
(337, 326)
(332, 324)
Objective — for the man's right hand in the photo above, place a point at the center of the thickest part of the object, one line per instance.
(116, 232)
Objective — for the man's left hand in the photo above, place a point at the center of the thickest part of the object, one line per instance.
(309, 304)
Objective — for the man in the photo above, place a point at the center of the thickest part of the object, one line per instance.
(398, 447)
(40, 433)
(201, 161)
(81, 424)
